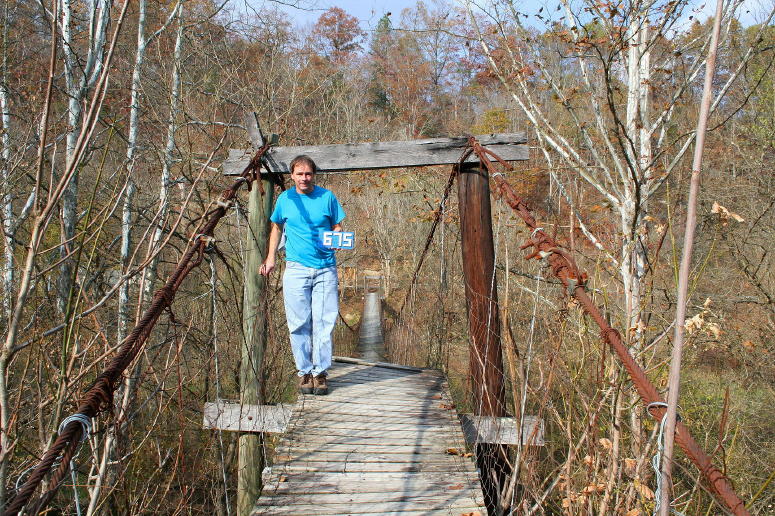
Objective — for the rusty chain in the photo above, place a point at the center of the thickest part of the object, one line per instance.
(562, 265)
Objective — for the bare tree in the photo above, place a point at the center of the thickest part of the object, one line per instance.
(82, 67)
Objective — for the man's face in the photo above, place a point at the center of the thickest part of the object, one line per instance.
(303, 177)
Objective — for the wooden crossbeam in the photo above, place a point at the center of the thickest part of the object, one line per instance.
(221, 415)
(379, 155)
(502, 430)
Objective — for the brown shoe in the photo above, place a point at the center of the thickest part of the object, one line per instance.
(320, 384)
(306, 384)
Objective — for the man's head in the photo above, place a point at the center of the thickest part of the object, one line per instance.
(303, 173)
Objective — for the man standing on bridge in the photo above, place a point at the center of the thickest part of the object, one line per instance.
(310, 282)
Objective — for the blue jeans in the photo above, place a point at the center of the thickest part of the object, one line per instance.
(311, 307)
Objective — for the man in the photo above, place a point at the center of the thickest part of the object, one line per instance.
(310, 283)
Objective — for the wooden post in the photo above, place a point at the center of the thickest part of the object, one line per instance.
(251, 456)
(486, 361)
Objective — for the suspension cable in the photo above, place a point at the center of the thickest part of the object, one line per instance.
(562, 265)
(99, 397)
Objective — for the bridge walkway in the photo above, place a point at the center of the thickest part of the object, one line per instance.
(385, 440)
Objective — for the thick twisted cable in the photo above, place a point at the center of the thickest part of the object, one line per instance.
(98, 397)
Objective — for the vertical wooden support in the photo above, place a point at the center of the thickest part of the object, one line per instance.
(486, 361)
(251, 456)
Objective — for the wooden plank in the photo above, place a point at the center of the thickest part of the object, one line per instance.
(376, 372)
(360, 466)
(502, 430)
(429, 485)
(376, 155)
(420, 438)
(385, 365)
(362, 510)
(382, 402)
(389, 424)
(449, 498)
(417, 384)
(391, 420)
(419, 390)
(368, 477)
(388, 394)
(389, 508)
(379, 369)
(305, 457)
(361, 411)
(376, 447)
(321, 440)
(396, 393)
(382, 413)
(323, 454)
(246, 418)
(375, 375)
(357, 378)
(431, 482)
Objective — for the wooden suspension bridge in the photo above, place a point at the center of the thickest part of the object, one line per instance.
(387, 440)
(487, 382)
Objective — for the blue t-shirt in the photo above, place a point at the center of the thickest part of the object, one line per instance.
(306, 217)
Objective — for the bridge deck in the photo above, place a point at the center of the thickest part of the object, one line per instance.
(386, 440)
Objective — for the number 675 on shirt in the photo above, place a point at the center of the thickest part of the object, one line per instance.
(339, 239)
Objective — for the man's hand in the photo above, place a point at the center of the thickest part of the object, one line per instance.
(266, 268)
(274, 238)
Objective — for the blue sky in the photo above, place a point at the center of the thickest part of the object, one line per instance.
(306, 12)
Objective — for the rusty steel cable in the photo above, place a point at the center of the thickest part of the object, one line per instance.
(562, 265)
(438, 214)
(99, 397)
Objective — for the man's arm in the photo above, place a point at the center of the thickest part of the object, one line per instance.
(274, 240)
(337, 227)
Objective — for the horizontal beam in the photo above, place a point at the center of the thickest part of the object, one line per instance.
(234, 417)
(247, 418)
(502, 430)
(378, 155)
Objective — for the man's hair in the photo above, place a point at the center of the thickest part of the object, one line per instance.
(303, 158)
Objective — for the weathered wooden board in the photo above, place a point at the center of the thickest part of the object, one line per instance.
(347, 363)
(383, 419)
(376, 155)
(502, 430)
(449, 498)
(366, 439)
(377, 447)
(353, 478)
(366, 466)
(383, 402)
(380, 488)
(382, 509)
(246, 418)
(367, 455)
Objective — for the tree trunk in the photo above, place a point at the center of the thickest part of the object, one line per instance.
(5, 159)
(169, 159)
(79, 79)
